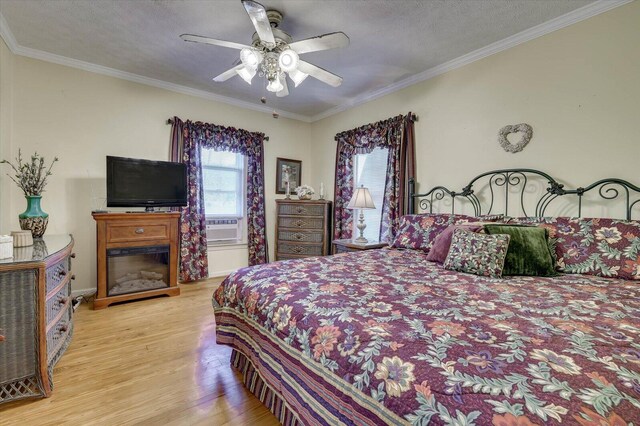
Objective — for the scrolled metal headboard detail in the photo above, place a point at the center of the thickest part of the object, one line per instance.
(514, 182)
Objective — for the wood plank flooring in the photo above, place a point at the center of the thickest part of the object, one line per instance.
(149, 362)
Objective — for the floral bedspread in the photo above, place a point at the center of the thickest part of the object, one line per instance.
(386, 337)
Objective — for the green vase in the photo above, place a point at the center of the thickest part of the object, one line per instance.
(33, 218)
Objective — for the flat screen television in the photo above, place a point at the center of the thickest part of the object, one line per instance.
(132, 182)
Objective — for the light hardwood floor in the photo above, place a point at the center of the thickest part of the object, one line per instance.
(149, 362)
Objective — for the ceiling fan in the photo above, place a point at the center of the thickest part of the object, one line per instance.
(272, 52)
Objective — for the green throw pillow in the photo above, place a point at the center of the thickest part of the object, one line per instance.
(529, 252)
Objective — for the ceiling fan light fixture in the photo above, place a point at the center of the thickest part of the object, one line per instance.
(297, 76)
(250, 58)
(246, 73)
(273, 54)
(288, 60)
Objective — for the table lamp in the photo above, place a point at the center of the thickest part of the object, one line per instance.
(361, 199)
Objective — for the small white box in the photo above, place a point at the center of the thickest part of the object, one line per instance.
(22, 238)
(6, 246)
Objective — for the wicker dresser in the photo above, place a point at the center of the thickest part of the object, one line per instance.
(303, 228)
(36, 318)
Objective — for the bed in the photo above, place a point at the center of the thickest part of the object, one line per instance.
(388, 337)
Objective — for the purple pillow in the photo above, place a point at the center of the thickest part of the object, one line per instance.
(442, 242)
(417, 231)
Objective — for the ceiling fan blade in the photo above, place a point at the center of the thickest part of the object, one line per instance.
(258, 16)
(227, 74)
(321, 42)
(285, 90)
(200, 39)
(321, 74)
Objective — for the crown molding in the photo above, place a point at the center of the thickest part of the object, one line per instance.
(7, 35)
(554, 24)
(28, 52)
(575, 16)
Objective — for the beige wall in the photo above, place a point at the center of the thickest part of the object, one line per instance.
(578, 87)
(81, 117)
(6, 102)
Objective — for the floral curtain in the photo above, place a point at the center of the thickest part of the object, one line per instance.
(193, 240)
(395, 134)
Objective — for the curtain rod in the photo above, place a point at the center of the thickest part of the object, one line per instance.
(170, 121)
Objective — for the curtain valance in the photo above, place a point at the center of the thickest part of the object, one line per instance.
(364, 139)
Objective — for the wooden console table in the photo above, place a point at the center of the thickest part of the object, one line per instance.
(36, 317)
(136, 235)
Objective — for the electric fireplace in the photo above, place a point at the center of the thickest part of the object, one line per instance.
(137, 256)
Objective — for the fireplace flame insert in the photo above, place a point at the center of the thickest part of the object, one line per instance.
(136, 269)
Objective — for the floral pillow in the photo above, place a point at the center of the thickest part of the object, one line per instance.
(418, 231)
(594, 246)
(478, 254)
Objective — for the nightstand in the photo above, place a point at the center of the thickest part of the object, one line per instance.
(343, 246)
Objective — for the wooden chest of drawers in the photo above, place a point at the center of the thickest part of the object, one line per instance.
(303, 228)
(36, 316)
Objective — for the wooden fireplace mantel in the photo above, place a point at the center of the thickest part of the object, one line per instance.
(128, 230)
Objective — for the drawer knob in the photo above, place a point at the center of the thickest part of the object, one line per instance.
(63, 273)
(297, 249)
(139, 230)
(73, 255)
(299, 223)
(298, 236)
(300, 210)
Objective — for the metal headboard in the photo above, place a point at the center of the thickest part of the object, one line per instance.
(513, 182)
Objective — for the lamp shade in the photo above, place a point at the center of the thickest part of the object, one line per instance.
(361, 199)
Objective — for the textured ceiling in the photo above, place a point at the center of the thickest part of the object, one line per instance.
(391, 40)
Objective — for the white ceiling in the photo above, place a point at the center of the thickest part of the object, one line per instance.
(393, 42)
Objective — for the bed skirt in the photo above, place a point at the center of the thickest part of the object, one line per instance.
(254, 382)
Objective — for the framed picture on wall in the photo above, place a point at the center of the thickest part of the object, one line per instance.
(287, 169)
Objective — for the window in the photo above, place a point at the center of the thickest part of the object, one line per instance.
(370, 170)
(223, 177)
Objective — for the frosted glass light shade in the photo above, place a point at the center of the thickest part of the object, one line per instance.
(275, 85)
(288, 60)
(297, 76)
(361, 199)
(250, 58)
(246, 73)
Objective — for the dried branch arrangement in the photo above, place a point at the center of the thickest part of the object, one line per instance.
(30, 177)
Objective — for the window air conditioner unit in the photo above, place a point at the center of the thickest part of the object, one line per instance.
(224, 230)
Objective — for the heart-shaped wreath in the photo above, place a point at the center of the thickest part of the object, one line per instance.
(527, 134)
